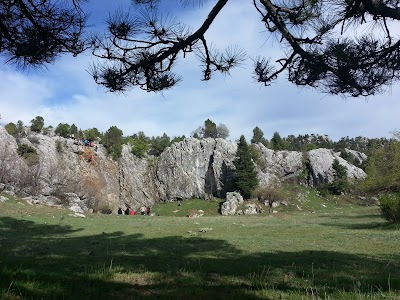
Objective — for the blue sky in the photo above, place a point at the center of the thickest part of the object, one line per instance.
(66, 93)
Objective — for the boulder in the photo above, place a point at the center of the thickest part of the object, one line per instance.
(251, 209)
(232, 202)
(3, 199)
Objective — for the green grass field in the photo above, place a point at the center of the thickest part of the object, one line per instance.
(317, 248)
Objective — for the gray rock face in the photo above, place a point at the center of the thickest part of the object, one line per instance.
(11, 164)
(3, 199)
(278, 165)
(321, 171)
(232, 202)
(194, 168)
(136, 183)
(360, 156)
(75, 175)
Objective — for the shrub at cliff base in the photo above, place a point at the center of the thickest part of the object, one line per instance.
(390, 207)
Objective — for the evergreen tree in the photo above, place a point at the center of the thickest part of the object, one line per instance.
(210, 129)
(92, 134)
(159, 144)
(113, 141)
(20, 128)
(258, 136)
(11, 129)
(277, 142)
(139, 148)
(73, 130)
(35, 32)
(340, 182)
(63, 129)
(245, 176)
(37, 124)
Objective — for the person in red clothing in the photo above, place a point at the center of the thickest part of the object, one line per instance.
(132, 212)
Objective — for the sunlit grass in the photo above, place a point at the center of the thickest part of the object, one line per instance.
(317, 248)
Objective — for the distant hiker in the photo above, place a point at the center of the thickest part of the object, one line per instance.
(180, 203)
(132, 212)
(143, 210)
(127, 211)
(148, 211)
(120, 211)
(95, 148)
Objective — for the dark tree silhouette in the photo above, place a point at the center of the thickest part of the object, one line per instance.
(348, 47)
(245, 175)
(323, 47)
(35, 32)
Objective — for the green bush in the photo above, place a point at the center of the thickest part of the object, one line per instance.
(390, 207)
(270, 194)
(11, 128)
(29, 153)
(59, 146)
(25, 150)
(383, 170)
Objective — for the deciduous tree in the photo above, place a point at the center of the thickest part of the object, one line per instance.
(222, 131)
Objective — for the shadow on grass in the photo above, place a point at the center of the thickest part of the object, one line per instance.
(46, 262)
(361, 226)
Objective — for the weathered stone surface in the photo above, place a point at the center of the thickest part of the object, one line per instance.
(194, 168)
(251, 209)
(11, 164)
(136, 183)
(359, 155)
(321, 171)
(278, 165)
(79, 176)
(232, 202)
(3, 199)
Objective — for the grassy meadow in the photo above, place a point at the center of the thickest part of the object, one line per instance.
(317, 248)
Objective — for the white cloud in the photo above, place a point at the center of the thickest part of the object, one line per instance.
(67, 93)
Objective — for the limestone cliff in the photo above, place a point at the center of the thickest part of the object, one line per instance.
(192, 168)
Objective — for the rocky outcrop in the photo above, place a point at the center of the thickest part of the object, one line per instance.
(11, 164)
(232, 202)
(320, 167)
(194, 168)
(86, 177)
(278, 165)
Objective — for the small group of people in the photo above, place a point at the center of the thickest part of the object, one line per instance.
(128, 211)
(145, 210)
(85, 142)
